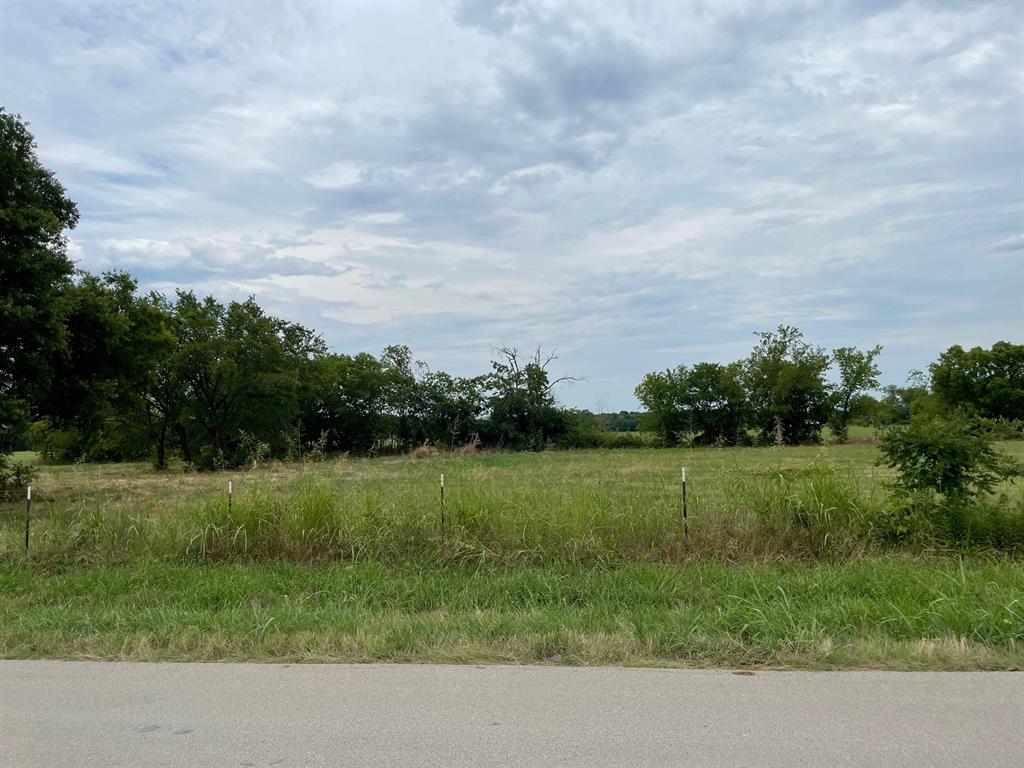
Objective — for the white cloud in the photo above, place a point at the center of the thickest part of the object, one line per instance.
(636, 184)
(335, 176)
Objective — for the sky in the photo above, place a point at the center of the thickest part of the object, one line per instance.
(634, 185)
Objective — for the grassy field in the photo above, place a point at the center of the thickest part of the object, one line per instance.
(568, 557)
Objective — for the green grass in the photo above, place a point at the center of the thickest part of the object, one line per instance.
(745, 504)
(574, 557)
(879, 613)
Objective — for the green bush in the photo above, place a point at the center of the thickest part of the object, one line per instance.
(927, 518)
(15, 475)
(954, 456)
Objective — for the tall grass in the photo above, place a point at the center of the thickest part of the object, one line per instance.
(575, 507)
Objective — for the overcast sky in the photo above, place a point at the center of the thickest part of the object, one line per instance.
(638, 185)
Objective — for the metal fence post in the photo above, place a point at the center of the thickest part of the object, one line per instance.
(28, 516)
(686, 527)
(442, 501)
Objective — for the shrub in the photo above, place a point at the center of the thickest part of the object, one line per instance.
(472, 448)
(425, 451)
(953, 456)
(923, 517)
(54, 446)
(15, 475)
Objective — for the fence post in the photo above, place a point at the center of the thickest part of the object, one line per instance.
(686, 527)
(28, 516)
(231, 521)
(442, 501)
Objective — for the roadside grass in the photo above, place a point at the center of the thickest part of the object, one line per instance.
(881, 613)
(588, 506)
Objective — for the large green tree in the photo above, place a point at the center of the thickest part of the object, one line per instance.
(662, 394)
(785, 381)
(35, 215)
(114, 343)
(987, 382)
(706, 402)
(523, 412)
(242, 371)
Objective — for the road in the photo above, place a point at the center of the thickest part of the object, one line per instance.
(85, 714)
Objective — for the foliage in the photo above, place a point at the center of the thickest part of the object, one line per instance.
(105, 374)
(523, 412)
(623, 421)
(898, 405)
(241, 369)
(858, 373)
(99, 372)
(636, 439)
(706, 403)
(785, 382)
(15, 475)
(954, 456)
(1003, 429)
(35, 213)
(987, 382)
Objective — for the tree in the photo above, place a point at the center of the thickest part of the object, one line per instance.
(448, 409)
(899, 404)
(523, 413)
(113, 342)
(242, 370)
(663, 394)
(987, 382)
(706, 402)
(717, 402)
(345, 399)
(785, 381)
(35, 213)
(160, 392)
(858, 373)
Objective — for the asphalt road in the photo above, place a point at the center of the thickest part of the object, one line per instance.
(84, 714)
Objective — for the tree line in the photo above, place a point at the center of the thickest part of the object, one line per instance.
(788, 390)
(92, 369)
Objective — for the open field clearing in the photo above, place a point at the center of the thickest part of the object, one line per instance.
(574, 557)
(745, 504)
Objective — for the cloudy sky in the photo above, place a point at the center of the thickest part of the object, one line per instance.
(638, 185)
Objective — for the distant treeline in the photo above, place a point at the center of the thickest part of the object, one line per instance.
(783, 392)
(90, 369)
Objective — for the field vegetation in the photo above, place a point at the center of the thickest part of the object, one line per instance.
(744, 505)
(830, 521)
(791, 559)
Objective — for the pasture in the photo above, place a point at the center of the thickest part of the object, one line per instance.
(563, 557)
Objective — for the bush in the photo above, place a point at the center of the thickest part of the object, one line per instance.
(953, 456)
(925, 517)
(54, 446)
(15, 475)
(425, 451)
